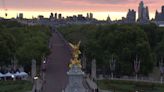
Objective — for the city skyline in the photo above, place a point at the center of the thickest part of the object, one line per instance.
(100, 9)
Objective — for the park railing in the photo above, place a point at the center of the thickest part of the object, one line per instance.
(149, 80)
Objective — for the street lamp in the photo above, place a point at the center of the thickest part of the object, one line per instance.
(44, 61)
(13, 77)
(112, 66)
(161, 66)
(35, 81)
(136, 66)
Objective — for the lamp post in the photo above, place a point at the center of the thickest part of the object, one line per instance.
(33, 68)
(136, 66)
(44, 65)
(13, 77)
(84, 59)
(112, 66)
(35, 81)
(43, 68)
(161, 67)
(93, 69)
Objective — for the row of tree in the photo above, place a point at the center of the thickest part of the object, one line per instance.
(22, 43)
(123, 42)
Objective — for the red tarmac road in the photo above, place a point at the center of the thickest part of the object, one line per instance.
(57, 65)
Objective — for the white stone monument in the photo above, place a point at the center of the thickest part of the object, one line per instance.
(75, 74)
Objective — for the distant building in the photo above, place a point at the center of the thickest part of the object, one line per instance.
(159, 16)
(51, 16)
(20, 16)
(143, 13)
(56, 15)
(129, 19)
(131, 16)
(80, 17)
(60, 16)
(88, 15)
(40, 17)
(74, 18)
(91, 15)
(108, 19)
(41, 20)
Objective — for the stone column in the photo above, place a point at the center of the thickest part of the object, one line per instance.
(161, 67)
(93, 69)
(33, 68)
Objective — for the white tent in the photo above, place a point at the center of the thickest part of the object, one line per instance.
(1, 75)
(17, 74)
(20, 74)
(8, 74)
(23, 74)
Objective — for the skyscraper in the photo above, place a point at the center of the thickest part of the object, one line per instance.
(140, 10)
(147, 13)
(143, 13)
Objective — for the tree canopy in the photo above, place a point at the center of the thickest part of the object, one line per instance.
(23, 42)
(124, 42)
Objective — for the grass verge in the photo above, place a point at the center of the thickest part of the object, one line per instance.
(15, 86)
(129, 86)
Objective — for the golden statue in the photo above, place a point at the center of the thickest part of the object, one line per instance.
(75, 55)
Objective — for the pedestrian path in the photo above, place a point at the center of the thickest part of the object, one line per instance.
(57, 65)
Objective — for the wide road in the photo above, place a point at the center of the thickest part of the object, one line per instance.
(57, 65)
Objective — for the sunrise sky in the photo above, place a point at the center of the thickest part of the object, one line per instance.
(100, 8)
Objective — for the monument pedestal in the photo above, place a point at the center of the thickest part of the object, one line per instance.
(75, 75)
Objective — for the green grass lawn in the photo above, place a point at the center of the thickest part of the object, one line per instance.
(15, 86)
(129, 86)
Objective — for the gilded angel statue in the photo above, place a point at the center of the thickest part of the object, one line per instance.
(75, 49)
(75, 55)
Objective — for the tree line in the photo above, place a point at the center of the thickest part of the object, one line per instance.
(22, 43)
(123, 42)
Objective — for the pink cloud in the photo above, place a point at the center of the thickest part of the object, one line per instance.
(80, 5)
